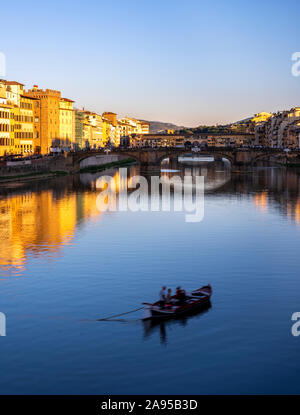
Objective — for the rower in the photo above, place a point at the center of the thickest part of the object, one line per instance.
(178, 292)
(180, 295)
(162, 296)
(169, 296)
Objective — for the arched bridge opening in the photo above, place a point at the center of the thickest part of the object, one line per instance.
(215, 156)
(270, 157)
(77, 161)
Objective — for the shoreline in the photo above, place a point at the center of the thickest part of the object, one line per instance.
(49, 175)
(101, 167)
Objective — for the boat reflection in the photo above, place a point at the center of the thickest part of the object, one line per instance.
(161, 326)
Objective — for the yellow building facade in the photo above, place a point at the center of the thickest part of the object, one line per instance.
(93, 130)
(128, 126)
(23, 126)
(109, 132)
(6, 123)
(6, 135)
(97, 132)
(66, 123)
(36, 121)
(17, 110)
(261, 117)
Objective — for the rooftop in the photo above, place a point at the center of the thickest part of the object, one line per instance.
(67, 100)
(10, 82)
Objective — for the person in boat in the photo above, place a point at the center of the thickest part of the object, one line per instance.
(169, 296)
(180, 295)
(162, 297)
(178, 291)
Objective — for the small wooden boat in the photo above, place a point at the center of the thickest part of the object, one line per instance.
(193, 300)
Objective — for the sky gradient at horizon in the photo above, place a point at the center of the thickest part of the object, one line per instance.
(191, 63)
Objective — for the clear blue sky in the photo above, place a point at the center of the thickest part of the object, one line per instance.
(189, 62)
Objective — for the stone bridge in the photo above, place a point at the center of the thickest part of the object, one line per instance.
(149, 157)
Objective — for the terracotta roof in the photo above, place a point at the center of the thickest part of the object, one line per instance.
(11, 82)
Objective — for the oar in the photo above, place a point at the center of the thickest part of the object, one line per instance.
(118, 315)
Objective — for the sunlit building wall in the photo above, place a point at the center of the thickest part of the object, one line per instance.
(97, 132)
(110, 124)
(66, 137)
(6, 123)
(146, 127)
(24, 127)
(261, 117)
(281, 130)
(110, 135)
(128, 126)
(37, 125)
(49, 116)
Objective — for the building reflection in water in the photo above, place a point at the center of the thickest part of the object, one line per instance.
(37, 219)
(40, 222)
(274, 186)
(261, 201)
(280, 189)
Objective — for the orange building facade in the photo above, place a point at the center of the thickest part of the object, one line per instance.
(47, 121)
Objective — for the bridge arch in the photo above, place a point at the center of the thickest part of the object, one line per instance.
(216, 155)
(79, 157)
(139, 154)
(272, 156)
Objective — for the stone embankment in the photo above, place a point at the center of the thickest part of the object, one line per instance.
(50, 166)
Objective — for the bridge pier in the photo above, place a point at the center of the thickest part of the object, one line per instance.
(150, 169)
(242, 158)
(218, 157)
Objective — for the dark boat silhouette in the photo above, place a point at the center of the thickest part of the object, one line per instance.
(193, 301)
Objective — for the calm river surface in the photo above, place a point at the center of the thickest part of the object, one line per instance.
(64, 264)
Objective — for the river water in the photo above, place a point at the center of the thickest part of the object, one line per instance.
(64, 264)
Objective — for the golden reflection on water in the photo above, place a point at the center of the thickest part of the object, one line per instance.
(290, 209)
(261, 201)
(293, 212)
(38, 223)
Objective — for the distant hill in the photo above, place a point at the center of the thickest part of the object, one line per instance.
(246, 120)
(157, 126)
